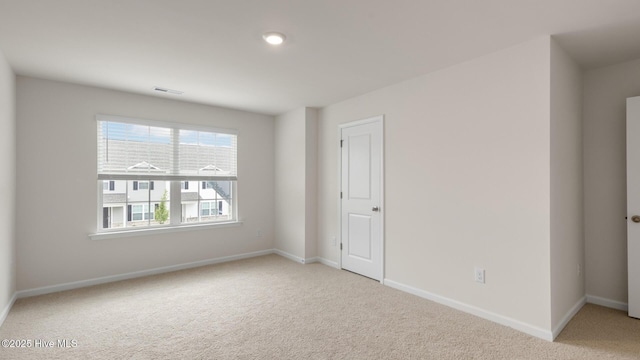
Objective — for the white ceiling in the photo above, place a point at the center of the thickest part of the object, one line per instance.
(336, 49)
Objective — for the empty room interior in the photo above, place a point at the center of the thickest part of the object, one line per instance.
(328, 180)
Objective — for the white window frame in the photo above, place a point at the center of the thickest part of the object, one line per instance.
(175, 202)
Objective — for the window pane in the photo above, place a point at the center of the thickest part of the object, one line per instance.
(207, 153)
(216, 199)
(207, 195)
(136, 199)
(130, 148)
(122, 206)
(159, 211)
(189, 197)
(206, 201)
(224, 199)
(114, 204)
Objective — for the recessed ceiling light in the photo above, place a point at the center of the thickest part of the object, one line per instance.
(274, 38)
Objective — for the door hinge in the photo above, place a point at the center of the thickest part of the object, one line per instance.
(340, 194)
(340, 246)
(341, 141)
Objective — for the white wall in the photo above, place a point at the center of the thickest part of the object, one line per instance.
(290, 143)
(56, 164)
(311, 183)
(604, 106)
(295, 137)
(467, 181)
(7, 185)
(567, 225)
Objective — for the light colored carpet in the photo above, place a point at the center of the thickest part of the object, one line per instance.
(273, 308)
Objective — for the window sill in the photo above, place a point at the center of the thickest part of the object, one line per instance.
(160, 230)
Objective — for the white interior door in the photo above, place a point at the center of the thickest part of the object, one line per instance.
(633, 204)
(361, 197)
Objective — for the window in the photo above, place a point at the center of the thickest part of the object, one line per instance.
(140, 162)
(211, 208)
(125, 207)
(140, 212)
(143, 185)
(211, 201)
(108, 185)
(204, 206)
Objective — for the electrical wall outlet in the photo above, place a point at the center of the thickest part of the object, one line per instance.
(259, 233)
(579, 269)
(478, 275)
(333, 241)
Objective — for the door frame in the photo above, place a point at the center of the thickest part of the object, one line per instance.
(379, 119)
(632, 147)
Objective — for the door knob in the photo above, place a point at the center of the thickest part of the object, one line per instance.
(635, 218)
(375, 208)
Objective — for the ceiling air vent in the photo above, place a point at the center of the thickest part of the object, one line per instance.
(168, 91)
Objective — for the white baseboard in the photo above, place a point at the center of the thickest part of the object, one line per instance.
(292, 257)
(322, 261)
(329, 263)
(312, 260)
(107, 279)
(5, 311)
(618, 305)
(568, 316)
(307, 260)
(500, 319)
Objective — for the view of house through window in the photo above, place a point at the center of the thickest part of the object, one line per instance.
(132, 204)
(135, 203)
(139, 164)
